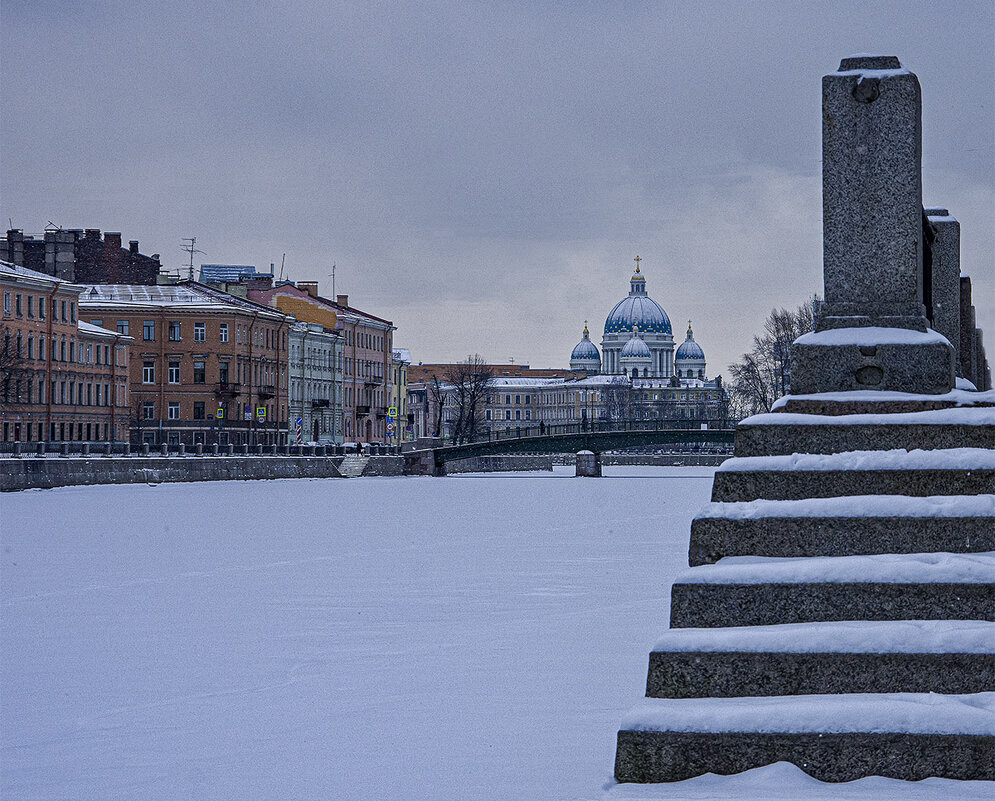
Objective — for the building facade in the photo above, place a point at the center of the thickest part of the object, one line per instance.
(205, 367)
(403, 422)
(315, 363)
(61, 378)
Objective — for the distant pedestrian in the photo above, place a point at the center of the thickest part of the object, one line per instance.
(542, 428)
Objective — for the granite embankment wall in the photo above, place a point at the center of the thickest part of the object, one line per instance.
(33, 473)
(498, 464)
(655, 459)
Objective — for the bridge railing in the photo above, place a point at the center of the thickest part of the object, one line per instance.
(534, 429)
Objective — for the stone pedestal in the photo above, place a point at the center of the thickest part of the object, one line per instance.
(588, 464)
(873, 238)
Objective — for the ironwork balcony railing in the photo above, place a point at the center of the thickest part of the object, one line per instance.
(227, 389)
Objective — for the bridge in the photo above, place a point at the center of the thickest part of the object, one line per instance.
(596, 437)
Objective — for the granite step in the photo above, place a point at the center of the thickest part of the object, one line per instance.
(956, 471)
(352, 466)
(835, 738)
(844, 526)
(758, 591)
(783, 433)
(913, 656)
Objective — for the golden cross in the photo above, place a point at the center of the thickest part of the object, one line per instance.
(637, 260)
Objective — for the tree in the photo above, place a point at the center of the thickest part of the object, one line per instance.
(618, 399)
(437, 400)
(763, 374)
(470, 379)
(13, 367)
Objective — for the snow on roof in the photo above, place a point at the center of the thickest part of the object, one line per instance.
(96, 330)
(871, 336)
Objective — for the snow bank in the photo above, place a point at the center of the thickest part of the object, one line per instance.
(856, 506)
(872, 336)
(897, 459)
(918, 713)
(977, 568)
(980, 416)
(965, 394)
(839, 637)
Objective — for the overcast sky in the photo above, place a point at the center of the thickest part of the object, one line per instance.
(483, 174)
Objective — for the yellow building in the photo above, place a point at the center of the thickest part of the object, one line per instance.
(403, 429)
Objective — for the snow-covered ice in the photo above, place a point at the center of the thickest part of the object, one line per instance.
(396, 638)
(966, 415)
(964, 394)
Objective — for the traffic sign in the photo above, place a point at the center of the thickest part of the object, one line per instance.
(298, 422)
(390, 427)
(221, 413)
(261, 414)
(392, 411)
(248, 412)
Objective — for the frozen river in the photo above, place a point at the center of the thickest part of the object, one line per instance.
(397, 638)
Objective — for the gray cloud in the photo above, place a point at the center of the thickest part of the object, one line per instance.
(483, 173)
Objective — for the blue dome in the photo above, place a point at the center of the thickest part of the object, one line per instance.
(690, 349)
(638, 309)
(637, 349)
(585, 349)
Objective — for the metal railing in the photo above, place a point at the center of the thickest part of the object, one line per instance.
(536, 429)
(105, 449)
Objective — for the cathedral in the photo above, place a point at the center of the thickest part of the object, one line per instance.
(638, 342)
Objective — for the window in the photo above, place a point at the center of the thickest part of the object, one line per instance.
(148, 372)
(174, 331)
(223, 333)
(200, 332)
(31, 347)
(148, 330)
(223, 372)
(41, 308)
(507, 414)
(6, 304)
(199, 410)
(122, 327)
(89, 353)
(173, 374)
(72, 312)
(148, 410)
(518, 414)
(19, 304)
(41, 348)
(31, 306)
(173, 410)
(97, 322)
(199, 373)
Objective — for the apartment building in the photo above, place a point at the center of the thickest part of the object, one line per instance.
(61, 378)
(205, 367)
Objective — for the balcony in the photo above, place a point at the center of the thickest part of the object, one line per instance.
(321, 403)
(226, 389)
(362, 410)
(266, 391)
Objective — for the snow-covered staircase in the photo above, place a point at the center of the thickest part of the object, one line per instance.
(353, 465)
(838, 610)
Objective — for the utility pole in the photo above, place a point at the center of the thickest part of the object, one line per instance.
(191, 249)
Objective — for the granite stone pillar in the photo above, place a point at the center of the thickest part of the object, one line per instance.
(871, 332)
(968, 343)
(944, 277)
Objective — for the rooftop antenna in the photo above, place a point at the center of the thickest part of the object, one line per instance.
(191, 249)
(332, 276)
(282, 263)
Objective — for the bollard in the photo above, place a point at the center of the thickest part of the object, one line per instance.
(40, 449)
(108, 449)
(181, 450)
(85, 449)
(16, 450)
(259, 450)
(145, 449)
(199, 449)
(164, 449)
(214, 449)
(127, 449)
(324, 450)
(64, 449)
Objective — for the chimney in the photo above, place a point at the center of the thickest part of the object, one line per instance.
(133, 246)
(93, 233)
(342, 300)
(311, 287)
(112, 239)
